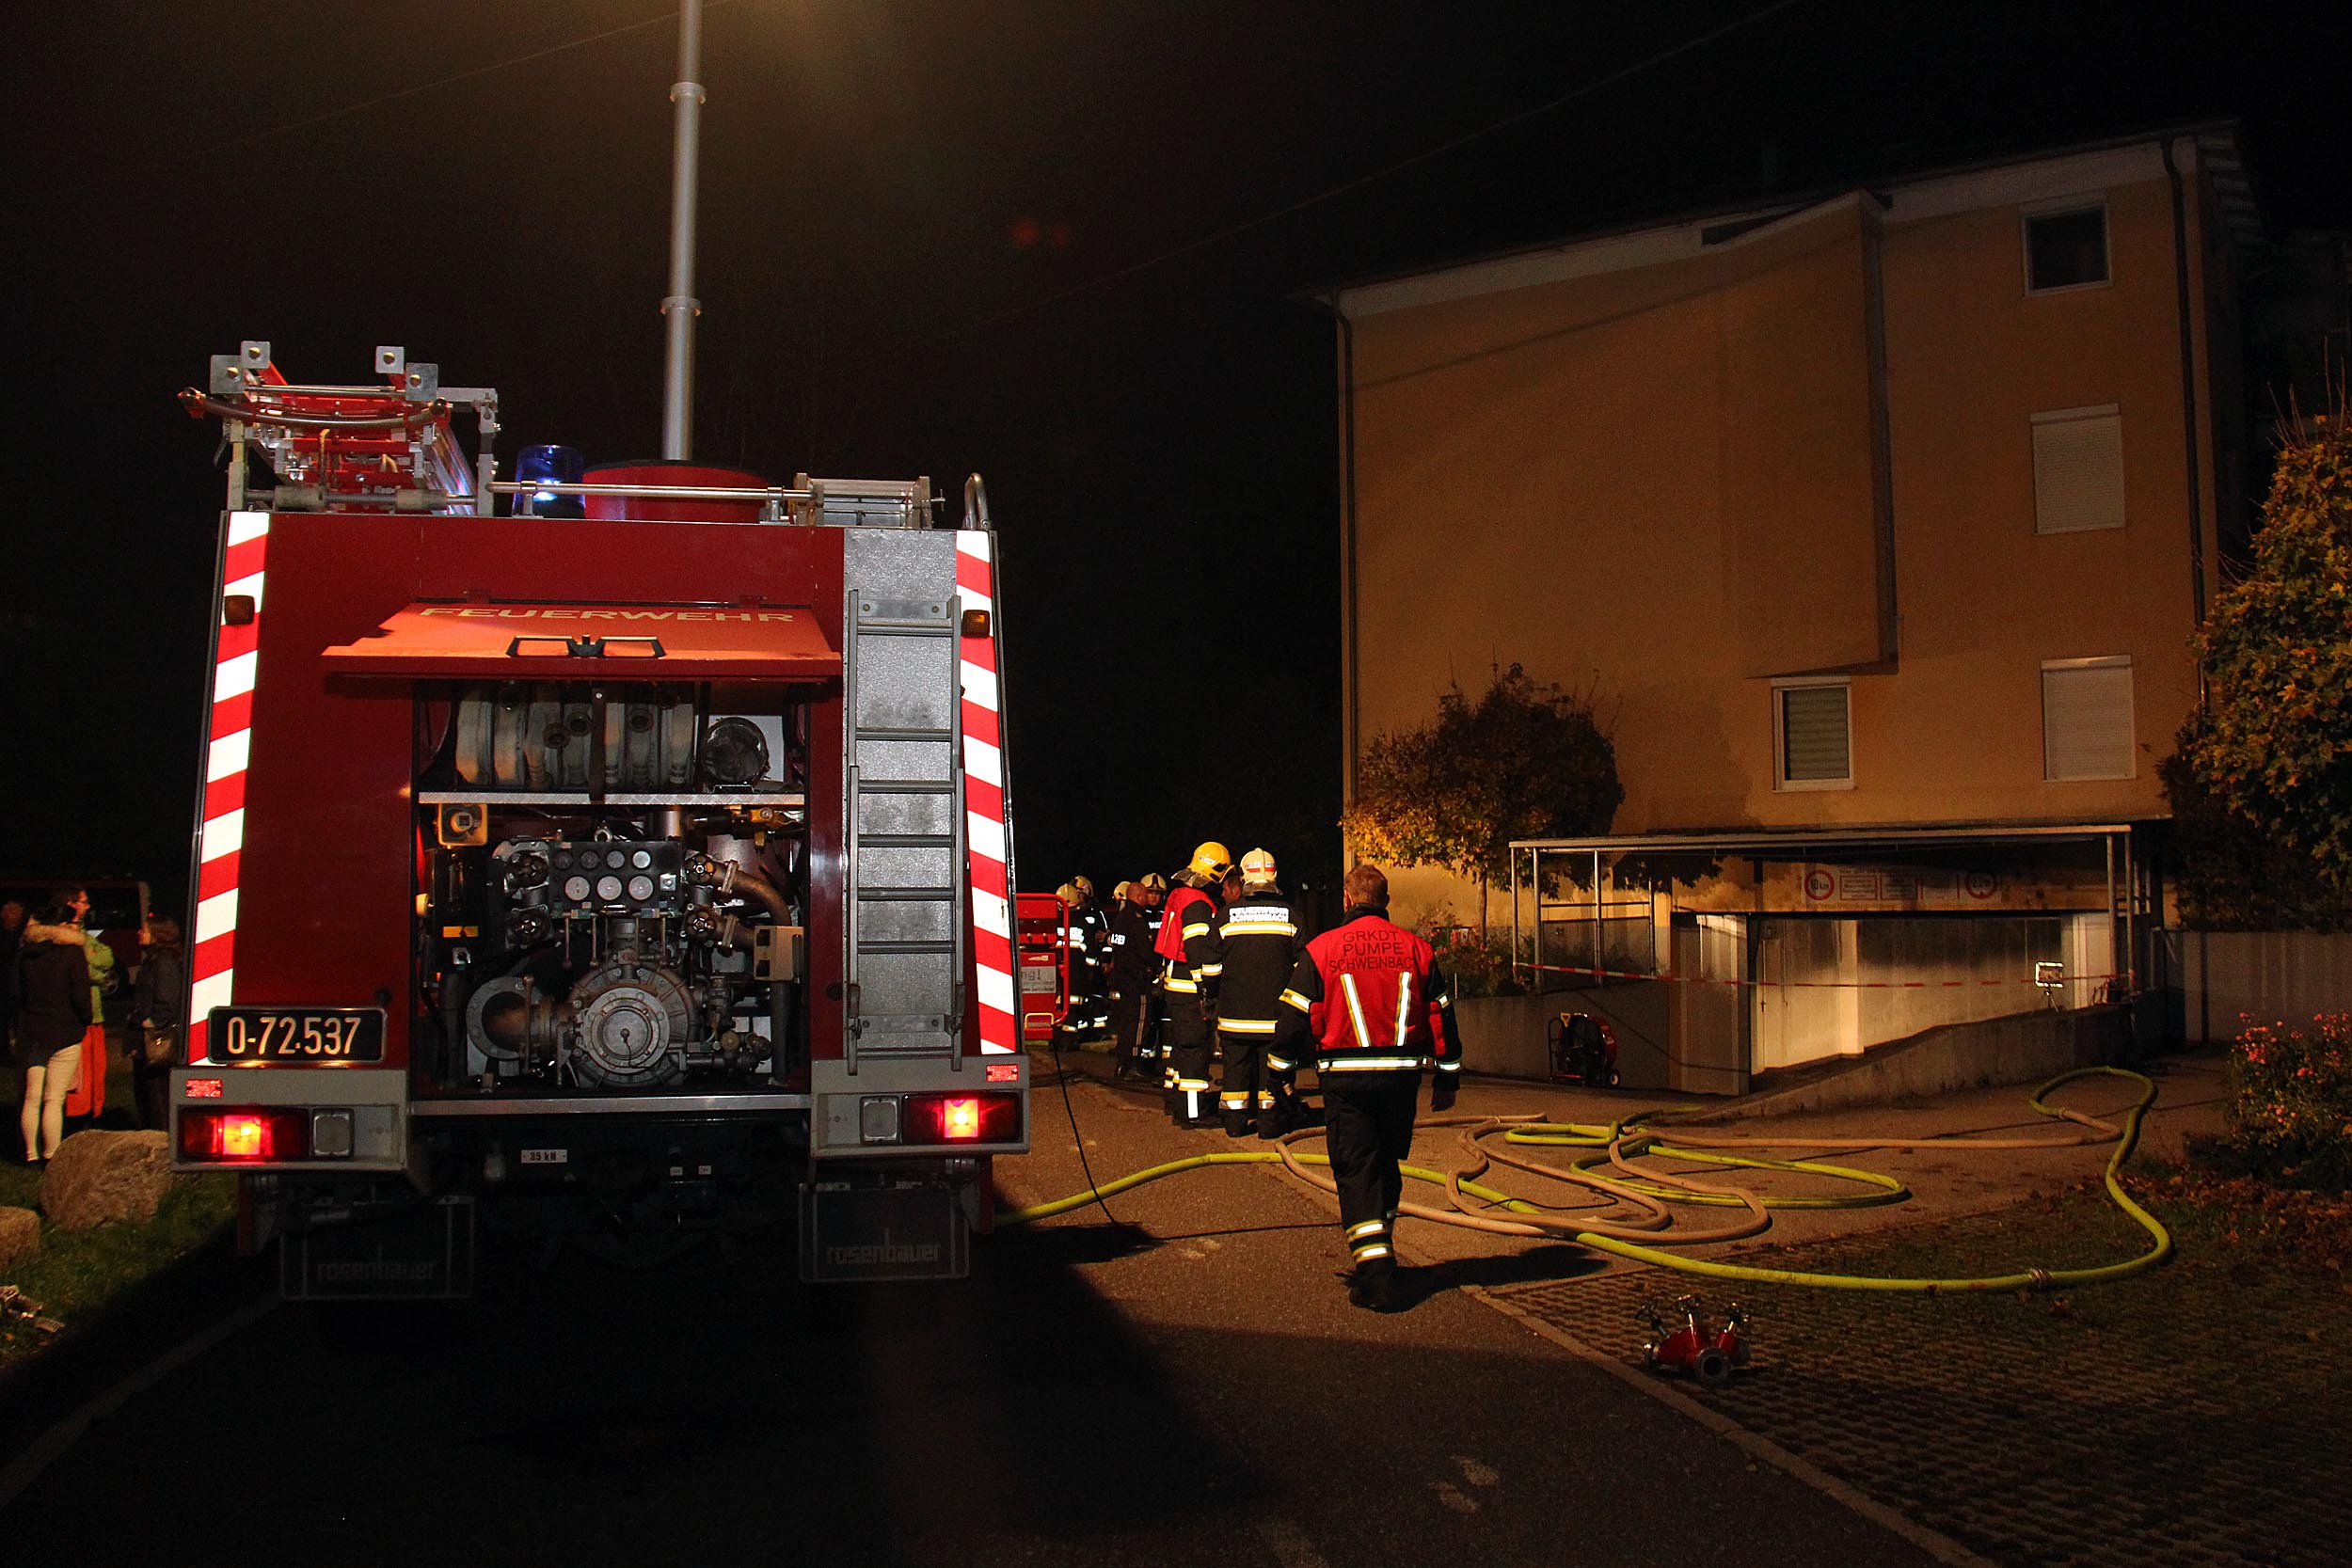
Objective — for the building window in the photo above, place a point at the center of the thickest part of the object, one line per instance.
(2079, 469)
(2087, 730)
(1812, 736)
(2066, 249)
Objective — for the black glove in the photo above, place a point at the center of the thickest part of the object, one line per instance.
(1442, 1094)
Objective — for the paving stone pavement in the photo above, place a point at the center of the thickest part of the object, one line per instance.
(2129, 1423)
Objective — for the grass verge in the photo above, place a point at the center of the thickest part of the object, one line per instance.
(77, 1274)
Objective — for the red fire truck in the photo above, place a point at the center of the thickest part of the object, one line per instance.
(627, 875)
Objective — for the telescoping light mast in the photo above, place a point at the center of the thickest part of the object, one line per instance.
(680, 306)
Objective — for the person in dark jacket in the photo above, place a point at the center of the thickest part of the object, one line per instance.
(160, 1008)
(1260, 939)
(1132, 966)
(52, 1014)
(1370, 996)
(1090, 949)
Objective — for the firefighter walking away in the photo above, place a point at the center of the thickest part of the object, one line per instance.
(1261, 946)
(1369, 997)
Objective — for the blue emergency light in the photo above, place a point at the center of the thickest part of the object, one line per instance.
(550, 464)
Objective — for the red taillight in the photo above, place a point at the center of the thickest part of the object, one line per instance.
(939, 1119)
(245, 1134)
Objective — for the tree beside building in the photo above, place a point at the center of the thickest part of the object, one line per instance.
(1524, 759)
(2262, 783)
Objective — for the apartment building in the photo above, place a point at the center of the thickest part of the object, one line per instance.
(1876, 524)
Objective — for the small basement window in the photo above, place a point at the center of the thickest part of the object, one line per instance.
(2086, 729)
(2079, 469)
(2066, 250)
(1812, 736)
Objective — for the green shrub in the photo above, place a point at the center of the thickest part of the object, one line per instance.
(1477, 962)
(2290, 1105)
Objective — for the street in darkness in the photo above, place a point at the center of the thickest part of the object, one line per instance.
(1188, 1386)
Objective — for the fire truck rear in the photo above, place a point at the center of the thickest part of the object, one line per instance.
(630, 875)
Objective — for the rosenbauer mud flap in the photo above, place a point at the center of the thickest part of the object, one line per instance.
(876, 1224)
(419, 1250)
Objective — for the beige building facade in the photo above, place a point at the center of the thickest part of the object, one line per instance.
(1891, 510)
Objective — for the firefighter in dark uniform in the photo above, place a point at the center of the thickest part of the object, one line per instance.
(1151, 1047)
(1132, 966)
(1091, 1009)
(1371, 998)
(1191, 962)
(1260, 939)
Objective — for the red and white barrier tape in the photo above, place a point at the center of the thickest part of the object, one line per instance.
(1813, 984)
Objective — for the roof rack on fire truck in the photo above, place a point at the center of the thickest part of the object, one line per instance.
(845, 502)
(390, 447)
(382, 447)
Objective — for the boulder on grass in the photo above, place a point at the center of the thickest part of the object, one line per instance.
(97, 1176)
(20, 1237)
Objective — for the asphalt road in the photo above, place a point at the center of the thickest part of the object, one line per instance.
(1188, 1385)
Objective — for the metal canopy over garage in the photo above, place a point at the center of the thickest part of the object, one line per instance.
(1716, 957)
(1585, 869)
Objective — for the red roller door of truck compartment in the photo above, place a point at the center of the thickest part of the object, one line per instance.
(592, 642)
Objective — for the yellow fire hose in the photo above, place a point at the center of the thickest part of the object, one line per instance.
(1643, 1235)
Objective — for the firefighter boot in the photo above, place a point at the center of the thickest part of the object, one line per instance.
(1373, 1285)
(1277, 1109)
(1234, 1109)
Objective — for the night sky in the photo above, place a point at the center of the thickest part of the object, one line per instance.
(1061, 244)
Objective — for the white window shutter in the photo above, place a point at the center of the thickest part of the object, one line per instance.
(1814, 738)
(2086, 729)
(2078, 470)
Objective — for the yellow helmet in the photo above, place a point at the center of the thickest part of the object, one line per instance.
(1067, 893)
(1256, 868)
(1153, 882)
(1211, 860)
(1122, 890)
(1084, 884)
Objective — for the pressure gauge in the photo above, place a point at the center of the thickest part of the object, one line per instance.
(576, 888)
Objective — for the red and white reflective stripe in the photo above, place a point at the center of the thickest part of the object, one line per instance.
(212, 954)
(984, 801)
